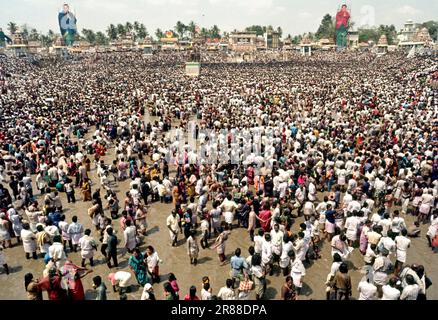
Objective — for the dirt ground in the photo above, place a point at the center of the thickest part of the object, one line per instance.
(176, 259)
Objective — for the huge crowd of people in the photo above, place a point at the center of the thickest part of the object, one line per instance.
(337, 150)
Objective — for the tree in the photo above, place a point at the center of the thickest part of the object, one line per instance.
(368, 34)
(128, 27)
(192, 28)
(389, 31)
(180, 29)
(136, 26)
(25, 30)
(280, 31)
(89, 35)
(432, 27)
(47, 40)
(259, 30)
(141, 31)
(326, 28)
(297, 39)
(121, 31)
(159, 34)
(101, 39)
(34, 35)
(12, 27)
(112, 32)
(205, 32)
(215, 32)
(374, 34)
(51, 34)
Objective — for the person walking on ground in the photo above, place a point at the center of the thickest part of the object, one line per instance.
(193, 247)
(111, 253)
(173, 224)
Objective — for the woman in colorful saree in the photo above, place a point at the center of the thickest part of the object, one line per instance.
(138, 266)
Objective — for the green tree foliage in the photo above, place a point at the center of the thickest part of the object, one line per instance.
(101, 39)
(180, 29)
(432, 27)
(215, 32)
(374, 34)
(12, 27)
(121, 30)
(34, 35)
(89, 35)
(258, 29)
(159, 33)
(326, 28)
(111, 32)
(191, 28)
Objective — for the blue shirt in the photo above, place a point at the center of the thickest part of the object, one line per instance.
(330, 216)
(237, 263)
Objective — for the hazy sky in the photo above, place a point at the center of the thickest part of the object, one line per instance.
(294, 16)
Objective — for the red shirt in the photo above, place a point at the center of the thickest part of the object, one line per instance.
(76, 290)
(265, 215)
(187, 298)
(55, 292)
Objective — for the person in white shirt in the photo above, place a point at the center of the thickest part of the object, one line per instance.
(402, 244)
(352, 226)
(312, 191)
(309, 209)
(120, 281)
(258, 241)
(148, 292)
(57, 253)
(88, 247)
(276, 241)
(227, 292)
(229, 207)
(206, 292)
(398, 223)
(267, 254)
(258, 276)
(386, 224)
(367, 290)
(390, 292)
(130, 236)
(297, 271)
(287, 247)
(387, 243)
(172, 223)
(410, 292)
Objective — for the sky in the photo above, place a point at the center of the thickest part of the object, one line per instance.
(294, 16)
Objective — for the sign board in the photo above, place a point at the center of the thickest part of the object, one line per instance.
(193, 69)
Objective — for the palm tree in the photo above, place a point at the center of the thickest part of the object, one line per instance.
(101, 39)
(215, 32)
(192, 28)
(89, 35)
(48, 39)
(205, 32)
(142, 32)
(25, 30)
(136, 28)
(280, 31)
(159, 33)
(121, 30)
(128, 27)
(112, 32)
(180, 28)
(12, 27)
(34, 35)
